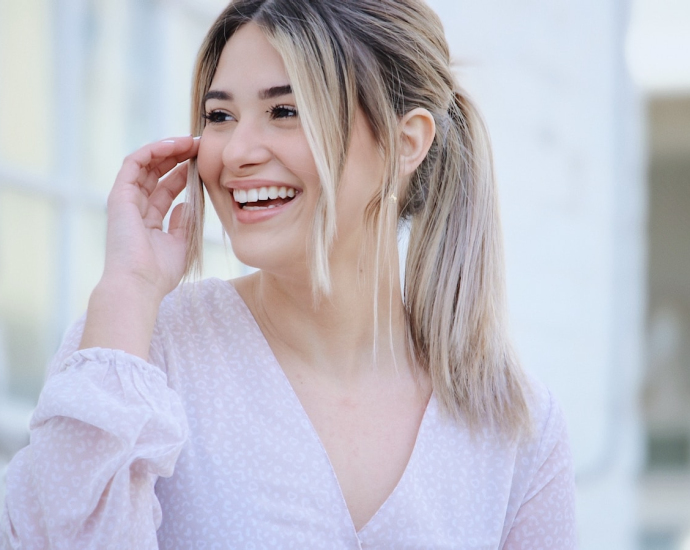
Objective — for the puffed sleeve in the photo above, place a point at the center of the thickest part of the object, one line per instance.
(546, 517)
(105, 427)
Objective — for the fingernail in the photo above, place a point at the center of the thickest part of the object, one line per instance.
(197, 138)
(168, 141)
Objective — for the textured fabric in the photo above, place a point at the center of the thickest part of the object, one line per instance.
(207, 446)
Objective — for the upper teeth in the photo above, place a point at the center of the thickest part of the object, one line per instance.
(262, 193)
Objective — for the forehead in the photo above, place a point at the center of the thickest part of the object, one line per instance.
(249, 62)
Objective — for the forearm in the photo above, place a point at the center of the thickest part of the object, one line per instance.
(106, 426)
(123, 307)
(121, 315)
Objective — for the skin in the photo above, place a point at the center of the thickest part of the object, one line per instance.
(366, 410)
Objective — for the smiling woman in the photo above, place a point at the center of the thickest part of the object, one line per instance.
(314, 403)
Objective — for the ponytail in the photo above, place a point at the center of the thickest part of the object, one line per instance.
(454, 282)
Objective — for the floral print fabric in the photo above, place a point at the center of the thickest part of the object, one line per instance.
(206, 445)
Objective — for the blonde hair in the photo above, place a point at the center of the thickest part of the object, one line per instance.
(388, 57)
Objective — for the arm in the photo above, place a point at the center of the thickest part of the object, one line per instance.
(142, 263)
(546, 517)
(107, 424)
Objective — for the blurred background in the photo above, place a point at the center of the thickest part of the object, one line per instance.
(588, 104)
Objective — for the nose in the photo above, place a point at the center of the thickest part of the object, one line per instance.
(246, 148)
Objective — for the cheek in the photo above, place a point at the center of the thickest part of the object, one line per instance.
(209, 159)
(292, 151)
(361, 183)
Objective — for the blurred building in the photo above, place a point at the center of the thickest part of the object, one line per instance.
(588, 104)
(665, 481)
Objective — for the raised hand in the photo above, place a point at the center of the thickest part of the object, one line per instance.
(143, 263)
(137, 248)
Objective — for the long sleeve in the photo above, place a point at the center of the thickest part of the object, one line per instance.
(105, 428)
(546, 517)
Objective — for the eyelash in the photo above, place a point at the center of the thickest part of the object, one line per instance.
(276, 112)
(286, 110)
(216, 117)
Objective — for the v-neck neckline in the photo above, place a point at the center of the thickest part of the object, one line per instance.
(285, 382)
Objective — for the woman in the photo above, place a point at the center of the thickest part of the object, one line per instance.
(307, 405)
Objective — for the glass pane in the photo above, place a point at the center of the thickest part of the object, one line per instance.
(659, 540)
(28, 271)
(139, 60)
(89, 246)
(105, 93)
(26, 100)
(182, 34)
(668, 451)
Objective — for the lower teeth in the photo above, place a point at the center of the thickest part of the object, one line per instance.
(252, 208)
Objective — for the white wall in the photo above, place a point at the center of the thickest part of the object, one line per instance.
(565, 121)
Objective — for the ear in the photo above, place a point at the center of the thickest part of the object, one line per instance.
(417, 130)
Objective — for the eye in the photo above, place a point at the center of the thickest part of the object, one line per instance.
(282, 111)
(218, 117)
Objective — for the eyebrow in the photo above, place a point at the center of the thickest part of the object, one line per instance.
(268, 93)
(276, 91)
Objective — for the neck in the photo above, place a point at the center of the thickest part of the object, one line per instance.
(358, 330)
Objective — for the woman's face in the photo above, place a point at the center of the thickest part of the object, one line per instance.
(258, 168)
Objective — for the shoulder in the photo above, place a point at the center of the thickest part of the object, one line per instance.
(541, 507)
(548, 426)
(196, 320)
(205, 295)
(543, 454)
(519, 452)
(193, 305)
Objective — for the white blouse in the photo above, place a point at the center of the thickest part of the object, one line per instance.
(207, 446)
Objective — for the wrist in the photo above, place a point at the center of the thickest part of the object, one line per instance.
(121, 315)
(129, 286)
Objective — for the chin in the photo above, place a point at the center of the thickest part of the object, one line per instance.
(273, 257)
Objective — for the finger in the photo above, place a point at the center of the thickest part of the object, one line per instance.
(176, 227)
(163, 168)
(149, 179)
(161, 165)
(180, 148)
(183, 148)
(157, 158)
(168, 189)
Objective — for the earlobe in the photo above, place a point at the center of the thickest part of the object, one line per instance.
(417, 130)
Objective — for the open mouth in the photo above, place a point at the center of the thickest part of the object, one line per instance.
(263, 198)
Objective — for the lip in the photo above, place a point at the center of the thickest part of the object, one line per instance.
(257, 216)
